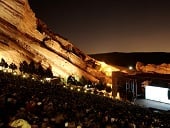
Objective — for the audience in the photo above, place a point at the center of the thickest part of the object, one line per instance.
(49, 105)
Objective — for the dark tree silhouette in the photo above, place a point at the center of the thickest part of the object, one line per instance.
(71, 80)
(6, 65)
(3, 63)
(13, 67)
(108, 89)
(100, 86)
(31, 67)
(40, 70)
(37, 69)
(23, 67)
(89, 82)
(48, 72)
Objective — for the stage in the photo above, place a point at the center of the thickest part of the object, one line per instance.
(153, 104)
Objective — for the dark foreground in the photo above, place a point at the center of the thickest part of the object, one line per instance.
(51, 105)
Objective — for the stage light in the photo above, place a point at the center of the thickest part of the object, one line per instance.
(130, 67)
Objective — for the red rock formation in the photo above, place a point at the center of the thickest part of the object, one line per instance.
(24, 37)
(152, 68)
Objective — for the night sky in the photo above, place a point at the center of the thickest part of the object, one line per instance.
(102, 26)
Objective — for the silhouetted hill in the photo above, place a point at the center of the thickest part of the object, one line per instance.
(127, 59)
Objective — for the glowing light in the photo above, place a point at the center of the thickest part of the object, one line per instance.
(124, 71)
(14, 73)
(66, 124)
(85, 86)
(71, 88)
(78, 89)
(4, 70)
(117, 96)
(39, 103)
(110, 85)
(130, 68)
(85, 91)
(48, 79)
(24, 76)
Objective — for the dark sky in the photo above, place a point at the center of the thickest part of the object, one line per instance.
(101, 26)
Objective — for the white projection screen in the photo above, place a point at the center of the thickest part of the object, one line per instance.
(157, 94)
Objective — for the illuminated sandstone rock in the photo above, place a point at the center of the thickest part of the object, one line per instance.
(152, 68)
(24, 37)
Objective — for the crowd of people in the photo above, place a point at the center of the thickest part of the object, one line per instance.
(49, 105)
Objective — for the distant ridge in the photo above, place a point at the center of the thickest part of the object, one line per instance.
(127, 59)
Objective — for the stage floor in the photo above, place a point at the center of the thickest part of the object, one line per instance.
(153, 104)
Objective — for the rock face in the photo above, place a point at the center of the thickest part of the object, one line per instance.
(152, 68)
(24, 37)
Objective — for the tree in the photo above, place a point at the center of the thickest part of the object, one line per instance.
(100, 86)
(3, 63)
(40, 70)
(48, 72)
(31, 67)
(71, 80)
(108, 89)
(12, 66)
(23, 67)
(89, 82)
